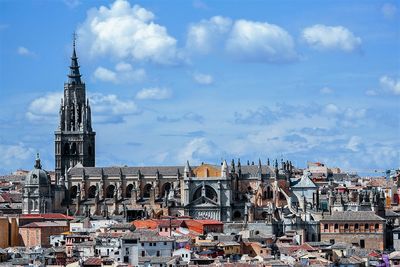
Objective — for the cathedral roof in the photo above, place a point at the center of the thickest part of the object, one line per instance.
(152, 170)
(37, 176)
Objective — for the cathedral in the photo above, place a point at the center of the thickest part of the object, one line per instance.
(227, 192)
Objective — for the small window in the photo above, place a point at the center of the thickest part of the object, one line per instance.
(376, 226)
(158, 253)
(366, 227)
(165, 243)
(142, 244)
(326, 226)
(143, 253)
(356, 226)
(336, 226)
(346, 226)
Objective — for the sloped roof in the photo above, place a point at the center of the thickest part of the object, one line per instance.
(349, 215)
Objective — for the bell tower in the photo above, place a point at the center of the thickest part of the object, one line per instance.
(74, 138)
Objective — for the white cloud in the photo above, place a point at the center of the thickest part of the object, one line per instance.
(326, 91)
(389, 10)
(196, 150)
(332, 109)
(44, 108)
(331, 37)
(11, 156)
(153, 93)
(106, 108)
(354, 143)
(123, 73)
(23, 51)
(204, 35)
(106, 104)
(127, 33)
(390, 84)
(202, 78)
(104, 74)
(260, 42)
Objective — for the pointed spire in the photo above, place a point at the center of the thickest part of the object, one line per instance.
(74, 76)
(233, 166)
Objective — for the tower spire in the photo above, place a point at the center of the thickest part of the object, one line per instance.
(74, 76)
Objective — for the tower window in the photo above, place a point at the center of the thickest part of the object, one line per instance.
(66, 149)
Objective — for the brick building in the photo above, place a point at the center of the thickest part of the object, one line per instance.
(38, 233)
(361, 228)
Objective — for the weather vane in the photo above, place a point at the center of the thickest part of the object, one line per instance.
(74, 37)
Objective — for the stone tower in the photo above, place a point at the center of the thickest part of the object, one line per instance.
(74, 138)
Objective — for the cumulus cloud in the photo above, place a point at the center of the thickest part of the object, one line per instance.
(390, 84)
(204, 35)
(326, 91)
(204, 79)
(123, 73)
(197, 150)
(153, 93)
(12, 156)
(127, 32)
(331, 37)
(106, 108)
(389, 10)
(44, 108)
(260, 42)
(23, 51)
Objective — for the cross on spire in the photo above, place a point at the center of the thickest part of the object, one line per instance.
(74, 75)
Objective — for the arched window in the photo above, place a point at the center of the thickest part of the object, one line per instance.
(110, 191)
(366, 227)
(356, 226)
(346, 227)
(210, 193)
(128, 192)
(376, 226)
(326, 226)
(165, 188)
(146, 191)
(92, 192)
(336, 226)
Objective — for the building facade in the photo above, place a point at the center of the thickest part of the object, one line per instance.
(364, 229)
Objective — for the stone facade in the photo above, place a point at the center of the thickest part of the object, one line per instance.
(249, 192)
(362, 228)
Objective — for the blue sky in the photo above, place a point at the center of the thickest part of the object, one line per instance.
(171, 81)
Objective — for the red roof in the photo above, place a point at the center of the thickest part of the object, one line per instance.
(93, 261)
(214, 222)
(47, 216)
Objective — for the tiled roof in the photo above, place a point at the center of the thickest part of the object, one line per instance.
(93, 261)
(206, 222)
(43, 224)
(47, 216)
(151, 170)
(352, 216)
